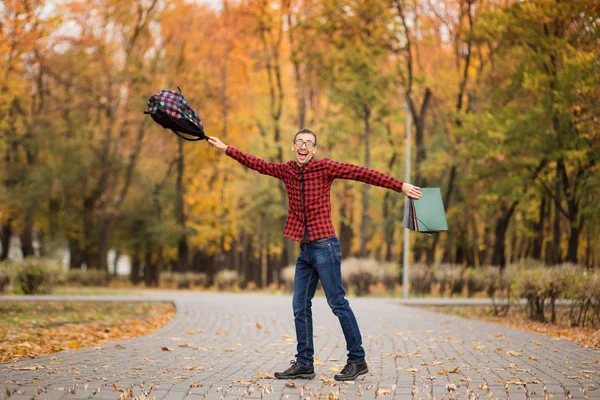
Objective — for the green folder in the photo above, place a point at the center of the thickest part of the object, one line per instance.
(426, 215)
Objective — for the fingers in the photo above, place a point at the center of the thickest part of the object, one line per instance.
(413, 191)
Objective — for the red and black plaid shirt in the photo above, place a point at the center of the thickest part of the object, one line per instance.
(308, 187)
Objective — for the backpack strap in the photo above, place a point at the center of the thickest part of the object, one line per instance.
(188, 139)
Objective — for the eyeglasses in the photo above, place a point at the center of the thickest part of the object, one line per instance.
(308, 143)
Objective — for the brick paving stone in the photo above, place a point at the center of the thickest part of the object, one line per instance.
(406, 350)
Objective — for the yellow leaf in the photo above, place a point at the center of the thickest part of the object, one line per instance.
(258, 326)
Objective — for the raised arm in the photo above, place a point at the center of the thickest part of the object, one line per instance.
(339, 170)
(247, 160)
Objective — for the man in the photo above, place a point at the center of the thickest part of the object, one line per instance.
(308, 183)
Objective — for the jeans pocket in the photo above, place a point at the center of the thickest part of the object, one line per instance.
(336, 252)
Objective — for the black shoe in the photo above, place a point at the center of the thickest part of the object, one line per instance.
(296, 371)
(352, 371)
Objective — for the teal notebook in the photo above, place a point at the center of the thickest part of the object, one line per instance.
(426, 215)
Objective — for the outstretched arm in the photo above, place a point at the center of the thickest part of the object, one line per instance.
(338, 170)
(247, 160)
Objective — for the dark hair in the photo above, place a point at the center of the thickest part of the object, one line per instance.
(304, 130)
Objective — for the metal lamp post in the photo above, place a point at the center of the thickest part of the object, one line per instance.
(406, 230)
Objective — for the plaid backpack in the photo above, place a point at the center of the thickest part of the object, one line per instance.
(170, 110)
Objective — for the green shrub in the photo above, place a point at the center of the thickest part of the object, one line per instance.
(7, 273)
(360, 274)
(475, 280)
(585, 293)
(183, 280)
(37, 276)
(79, 277)
(421, 279)
(287, 274)
(449, 276)
(389, 275)
(499, 285)
(227, 279)
(189, 279)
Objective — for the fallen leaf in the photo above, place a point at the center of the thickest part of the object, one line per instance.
(195, 384)
(264, 375)
(222, 333)
(194, 368)
(514, 353)
(383, 392)
(165, 348)
(258, 326)
(413, 370)
(191, 332)
(291, 384)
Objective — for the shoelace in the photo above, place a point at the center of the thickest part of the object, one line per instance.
(293, 362)
(346, 369)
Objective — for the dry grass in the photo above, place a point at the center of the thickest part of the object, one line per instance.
(517, 318)
(31, 329)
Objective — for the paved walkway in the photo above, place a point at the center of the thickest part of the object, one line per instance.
(227, 346)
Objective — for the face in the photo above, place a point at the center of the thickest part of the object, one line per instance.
(304, 153)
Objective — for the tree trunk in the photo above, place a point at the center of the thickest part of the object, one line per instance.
(539, 231)
(388, 230)
(364, 225)
(152, 270)
(5, 235)
(573, 243)
(499, 254)
(346, 232)
(76, 254)
(136, 264)
(182, 244)
(556, 256)
(100, 261)
(27, 235)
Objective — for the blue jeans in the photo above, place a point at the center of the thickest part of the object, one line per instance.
(321, 259)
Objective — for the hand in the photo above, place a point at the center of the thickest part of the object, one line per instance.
(411, 191)
(215, 142)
